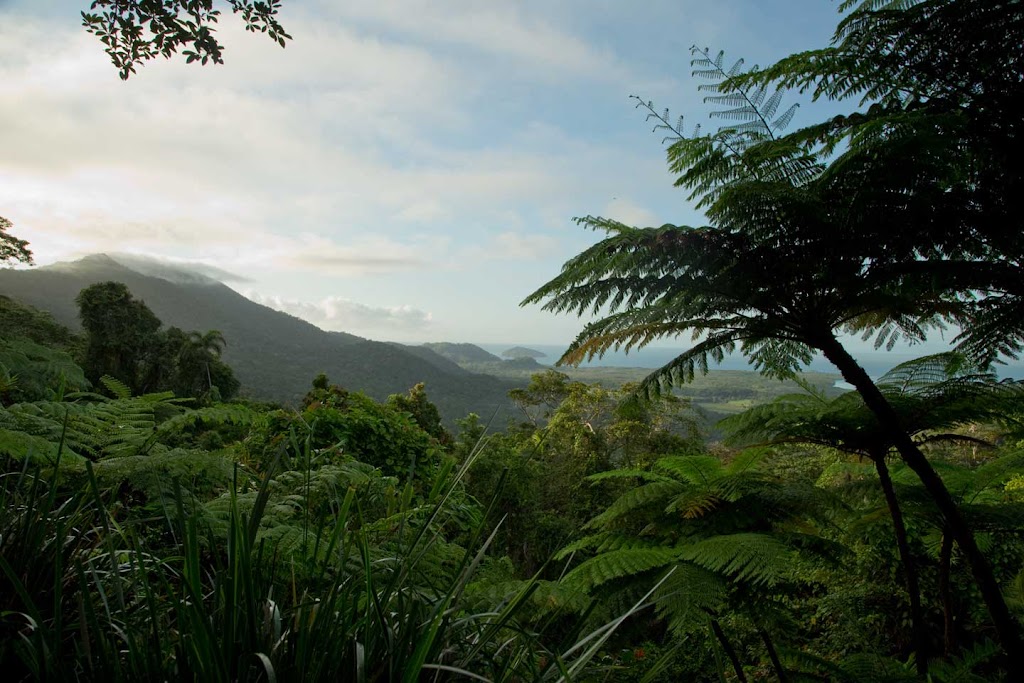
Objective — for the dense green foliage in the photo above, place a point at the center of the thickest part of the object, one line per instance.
(340, 541)
(598, 537)
(125, 342)
(599, 534)
(889, 222)
(18, 321)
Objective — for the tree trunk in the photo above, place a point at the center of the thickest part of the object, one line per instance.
(729, 651)
(772, 654)
(1006, 627)
(945, 567)
(909, 566)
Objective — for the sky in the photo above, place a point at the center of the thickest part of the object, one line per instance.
(403, 170)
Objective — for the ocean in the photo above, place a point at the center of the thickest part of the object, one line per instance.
(876, 363)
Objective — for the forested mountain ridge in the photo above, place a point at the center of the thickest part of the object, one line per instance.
(462, 353)
(274, 355)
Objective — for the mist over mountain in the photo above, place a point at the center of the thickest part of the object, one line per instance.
(275, 355)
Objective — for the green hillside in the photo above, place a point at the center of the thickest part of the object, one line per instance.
(274, 355)
(20, 321)
(461, 353)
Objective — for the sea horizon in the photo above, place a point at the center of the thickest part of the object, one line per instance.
(875, 363)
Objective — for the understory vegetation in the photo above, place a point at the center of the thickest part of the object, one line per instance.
(155, 527)
(598, 536)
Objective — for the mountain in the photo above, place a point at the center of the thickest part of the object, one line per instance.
(274, 355)
(461, 353)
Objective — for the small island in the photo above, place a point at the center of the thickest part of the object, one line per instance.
(520, 352)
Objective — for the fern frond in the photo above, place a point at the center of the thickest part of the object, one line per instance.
(697, 470)
(686, 598)
(618, 564)
(655, 493)
(219, 414)
(758, 559)
(116, 387)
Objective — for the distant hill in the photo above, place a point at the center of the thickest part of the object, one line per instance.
(518, 352)
(274, 355)
(461, 353)
(438, 360)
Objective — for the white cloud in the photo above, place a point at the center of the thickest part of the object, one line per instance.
(497, 30)
(626, 211)
(204, 160)
(513, 245)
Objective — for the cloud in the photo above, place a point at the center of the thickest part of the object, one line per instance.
(344, 315)
(232, 161)
(626, 211)
(502, 31)
(508, 246)
(365, 255)
(513, 245)
(176, 270)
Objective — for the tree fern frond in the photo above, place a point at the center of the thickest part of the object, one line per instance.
(783, 121)
(645, 475)
(221, 413)
(655, 493)
(772, 105)
(589, 541)
(694, 504)
(759, 559)
(684, 367)
(116, 387)
(24, 447)
(618, 564)
(688, 596)
(697, 470)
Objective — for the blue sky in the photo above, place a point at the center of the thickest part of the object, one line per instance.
(402, 170)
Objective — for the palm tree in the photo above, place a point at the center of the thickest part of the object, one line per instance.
(210, 345)
(196, 352)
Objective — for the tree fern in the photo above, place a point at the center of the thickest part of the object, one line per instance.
(689, 595)
(653, 493)
(37, 372)
(617, 564)
(721, 528)
(757, 559)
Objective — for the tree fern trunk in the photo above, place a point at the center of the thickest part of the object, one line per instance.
(772, 654)
(729, 651)
(945, 567)
(909, 566)
(1006, 627)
